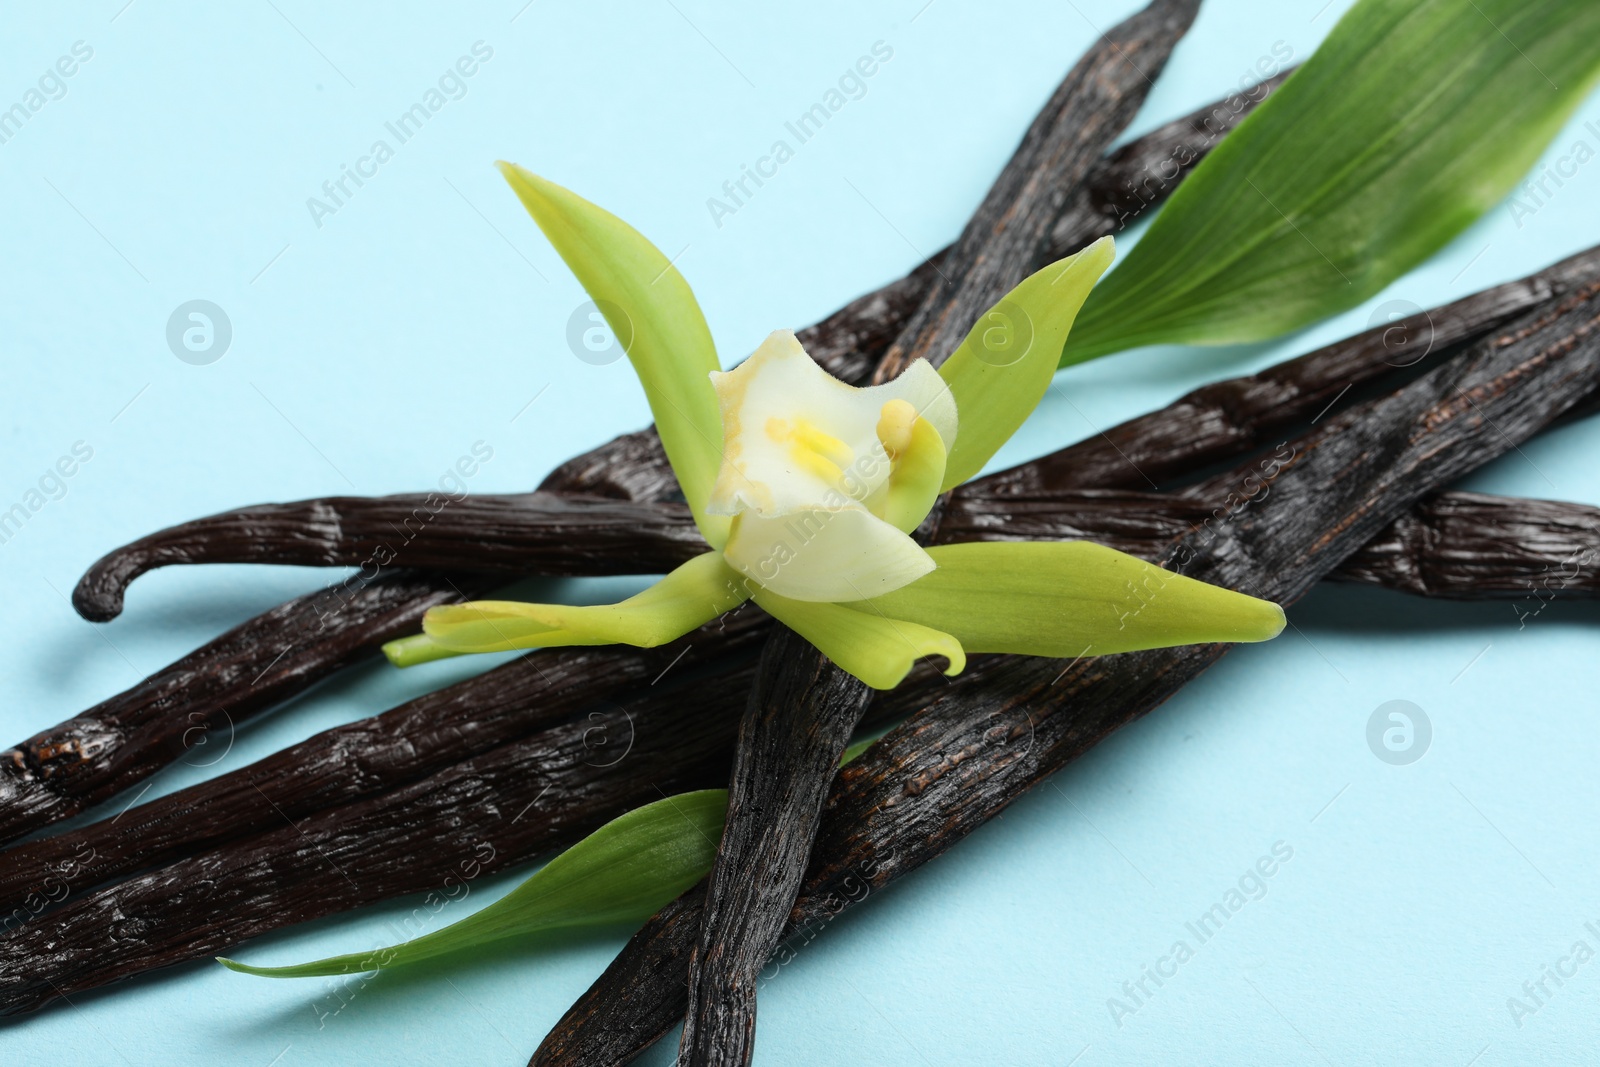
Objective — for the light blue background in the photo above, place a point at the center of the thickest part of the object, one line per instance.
(369, 353)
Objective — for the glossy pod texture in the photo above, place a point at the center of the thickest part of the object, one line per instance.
(503, 807)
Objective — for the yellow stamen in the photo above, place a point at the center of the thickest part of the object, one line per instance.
(895, 421)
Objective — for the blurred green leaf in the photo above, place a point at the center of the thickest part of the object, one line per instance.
(857, 747)
(624, 872)
(1411, 120)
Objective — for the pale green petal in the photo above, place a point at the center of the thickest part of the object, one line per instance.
(875, 648)
(653, 312)
(1066, 599)
(418, 648)
(1001, 371)
(624, 872)
(825, 556)
(916, 480)
(690, 596)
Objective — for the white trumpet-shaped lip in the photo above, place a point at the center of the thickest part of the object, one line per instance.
(794, 436)
(802, 467)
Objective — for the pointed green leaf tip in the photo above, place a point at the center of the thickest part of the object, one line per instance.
(1066, 599)
(1000, 372)
(624, 872)
(655, 317)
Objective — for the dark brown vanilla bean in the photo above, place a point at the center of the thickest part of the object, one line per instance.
(804, 707)
(1226, 418)
(503, 807)
(511, 533)
(1451, 546)
(361, 759)
(1468, 546)
(1144, 172)
(83, 761)
(1010, 232)
(1012, 721)
(1455, 545)
(494, 811)
(798, 722)
(1118, 189)
(1462, 546)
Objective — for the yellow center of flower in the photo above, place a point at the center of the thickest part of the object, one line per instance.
(812, 449)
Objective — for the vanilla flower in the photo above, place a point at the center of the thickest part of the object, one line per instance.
(825, 481)
(807, 490)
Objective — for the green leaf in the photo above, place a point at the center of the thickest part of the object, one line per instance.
(624, 872)
(875, 648)
(654, 315)
(691, 596)
(1000, 372)
(1411, 120)
(1066, 599)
